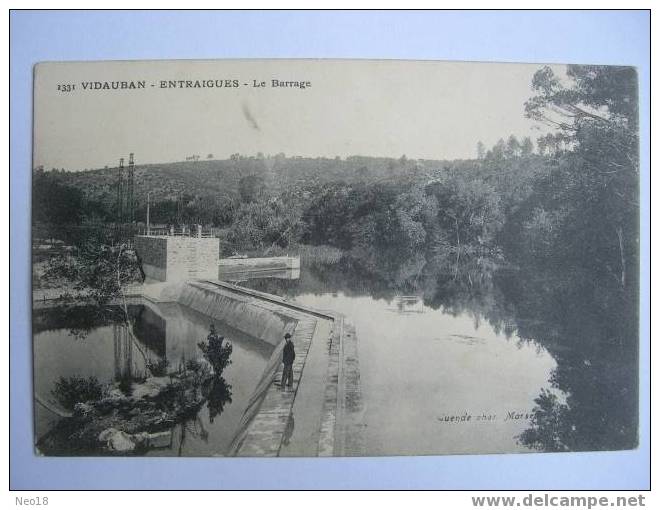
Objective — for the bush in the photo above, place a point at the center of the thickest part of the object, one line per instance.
(72, 390)
(216, 354)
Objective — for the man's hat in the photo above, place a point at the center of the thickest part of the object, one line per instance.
(287, 336)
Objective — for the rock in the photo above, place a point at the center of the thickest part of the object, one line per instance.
(106, 434)
(114, 394)
(160, 439)
(117, 440)
(143, 439)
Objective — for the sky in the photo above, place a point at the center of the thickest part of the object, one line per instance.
(423, 109)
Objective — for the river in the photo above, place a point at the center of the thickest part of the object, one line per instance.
(482, 360)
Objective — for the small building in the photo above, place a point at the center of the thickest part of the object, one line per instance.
(171, 258)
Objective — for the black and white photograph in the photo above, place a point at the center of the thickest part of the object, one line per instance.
(333, 258)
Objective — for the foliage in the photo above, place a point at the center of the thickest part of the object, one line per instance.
(547, 430)
(576, 235)
(218, 394)
(53, 201)
(596, 178)
(319, 254)
(265, 225)
(251, 187)
(175, 397)
(193, 365)
(72, 390)
(377, 226)
(98, 270)
(56, 202)
(469, 211)
(158, 368)
(215, 210)
(218, 355)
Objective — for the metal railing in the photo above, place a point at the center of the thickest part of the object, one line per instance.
(175, 232)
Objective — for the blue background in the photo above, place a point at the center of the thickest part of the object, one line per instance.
(606, 37)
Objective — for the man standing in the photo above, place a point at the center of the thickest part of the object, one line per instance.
(288, 355)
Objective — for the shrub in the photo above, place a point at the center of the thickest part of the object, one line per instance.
(216, 354)
(69, 391)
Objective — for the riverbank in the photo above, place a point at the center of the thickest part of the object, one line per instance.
(130, 418)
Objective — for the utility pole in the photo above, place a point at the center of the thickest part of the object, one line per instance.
(130, 197)
(120, 192)
(148, 223)
(179, 207)
(120, 199)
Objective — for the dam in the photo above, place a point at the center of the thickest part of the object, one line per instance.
(320, 415)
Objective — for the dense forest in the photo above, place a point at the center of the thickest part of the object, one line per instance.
(538, 236)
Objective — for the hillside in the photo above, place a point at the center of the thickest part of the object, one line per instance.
(218, 178)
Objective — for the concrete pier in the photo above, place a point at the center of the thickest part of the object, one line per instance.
(259, 263)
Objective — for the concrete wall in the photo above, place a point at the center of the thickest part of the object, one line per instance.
(241, 312)
(190, 258)
(170, 258)
(153, 252)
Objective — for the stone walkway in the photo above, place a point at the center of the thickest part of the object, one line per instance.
(322, 415)
(307, 409)
(271, 426)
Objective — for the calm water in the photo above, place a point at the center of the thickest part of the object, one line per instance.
(107, 352)
(455, 362)
(420, 367)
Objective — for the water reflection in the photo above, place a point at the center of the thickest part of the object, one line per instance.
(408, 304)
(288, 430)
(218, 395)
(563, 343)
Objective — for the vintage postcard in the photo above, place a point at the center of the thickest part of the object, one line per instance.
(334, 258)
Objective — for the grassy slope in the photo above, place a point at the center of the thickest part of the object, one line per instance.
(221, 177)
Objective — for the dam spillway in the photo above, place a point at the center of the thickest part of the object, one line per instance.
(322, 414)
